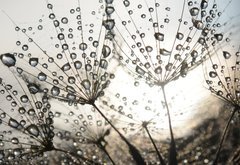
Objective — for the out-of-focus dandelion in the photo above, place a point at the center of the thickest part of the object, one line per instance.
(161, 41)
(223, 77)
(27, 122)
(78, 72)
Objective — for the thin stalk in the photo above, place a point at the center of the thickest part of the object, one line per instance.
(172, 150)
(224, 135)
(106, 152)
(158, 153)
(133, 150)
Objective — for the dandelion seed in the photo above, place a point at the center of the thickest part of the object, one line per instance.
(173, 53)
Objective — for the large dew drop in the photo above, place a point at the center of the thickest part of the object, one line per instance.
(55, 91)
(86, 84)
(140, 70)
(33, 130)
(159, 36)
(226, 55)
(164, 52)
(33, 61)
(194, 11)
(8, 59)
(109, 24)
(106, 51)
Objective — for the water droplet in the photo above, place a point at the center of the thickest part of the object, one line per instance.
(126, 3)
(140, 70)
(13, 123)
(109, 24)
(42, 76)
(77, 65)
(219, 37)
(179, 36)
(109, 1)
(212, 74)
(33, 130)
(204, 4)
(103, 64)
(33, 88)
(8, 59)
(61, 36)
(86, 84)
(66, 67)
(14, 140)
(106, 51)
(159, 36)
(158, 70)
(194, 11)
(33, 61)
(198, 24)
(168, 67)
(88, 67)
(164, 52)
(83, 46)
(71, 80)
(226, 55)
(109, 10)
(64, 20)
(24, 47)
(149, 48)
(24, 98)
(55, 91)
(21, 110)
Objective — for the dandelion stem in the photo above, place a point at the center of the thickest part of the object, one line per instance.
(133, 150)
(224, 135)
(158, 153)
(106, 152)
(172, 152)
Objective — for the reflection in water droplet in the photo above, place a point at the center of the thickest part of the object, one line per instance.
(86, 84)
(8, 59)
(33, 130)
(226, 55)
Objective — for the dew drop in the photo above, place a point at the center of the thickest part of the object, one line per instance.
(106, 51)
(159, 36)
(86, 84)
(33, 88)
(140, 70)
(179, 36)
(109, 10)
(8, 59)
(42, 76)
(33, 130)
(212, 74)
(66, 67)
(83, 46)
(204, 4)
(164, 52)
(77, 65)
(13, 123)
(14, 140)
(109, 24)
(158, 70)
(33, 61)
(226, 55)
(194, 11)
(219, 37)
(55, 91)
(109, 1)
(103, 64)
(24, 98)
(149, 48)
